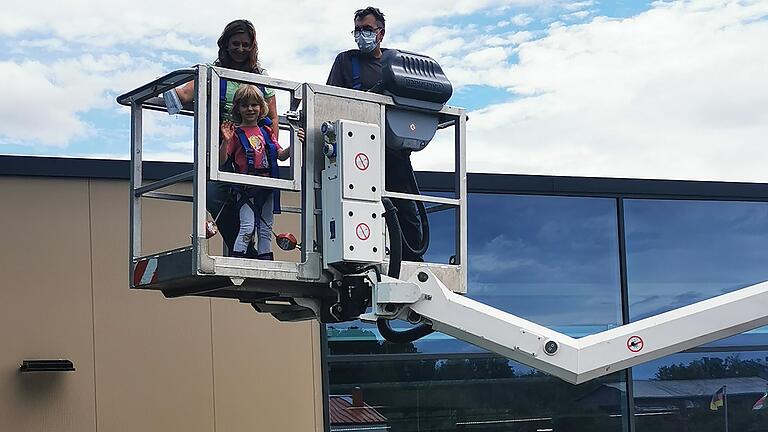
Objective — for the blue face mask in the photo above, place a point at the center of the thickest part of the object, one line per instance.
(366, 44)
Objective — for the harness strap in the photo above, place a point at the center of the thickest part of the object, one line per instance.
(254, 197)
(249, 153)
(355, 63)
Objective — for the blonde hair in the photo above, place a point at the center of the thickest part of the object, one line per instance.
(244, 93)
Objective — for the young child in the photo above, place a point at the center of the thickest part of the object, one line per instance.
(249, 146)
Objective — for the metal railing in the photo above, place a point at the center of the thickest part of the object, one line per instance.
(310, 106)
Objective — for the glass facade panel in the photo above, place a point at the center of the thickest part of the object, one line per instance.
(442, 238)
(553, 260)
(676, 393)
(680, 252)
(475, 393)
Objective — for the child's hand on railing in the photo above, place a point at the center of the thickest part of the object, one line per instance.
(300, 134)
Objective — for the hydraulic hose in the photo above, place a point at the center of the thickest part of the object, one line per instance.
(395, 260)
(424, 244)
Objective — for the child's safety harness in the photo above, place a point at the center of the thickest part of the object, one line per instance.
(255, 196)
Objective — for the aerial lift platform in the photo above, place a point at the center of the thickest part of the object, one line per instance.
(350, 266)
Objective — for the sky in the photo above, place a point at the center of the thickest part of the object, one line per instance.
(667, 89)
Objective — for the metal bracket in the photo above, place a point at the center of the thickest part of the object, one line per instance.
(311, 269)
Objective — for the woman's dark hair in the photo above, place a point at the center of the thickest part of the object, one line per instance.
(233, 28)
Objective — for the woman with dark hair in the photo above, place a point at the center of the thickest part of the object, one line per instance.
(238, 49)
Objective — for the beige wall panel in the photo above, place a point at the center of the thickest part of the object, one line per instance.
(166, 224)
(154, 367)
(266, 374)
(45, 304)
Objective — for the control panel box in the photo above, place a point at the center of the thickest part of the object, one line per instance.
(352, 182)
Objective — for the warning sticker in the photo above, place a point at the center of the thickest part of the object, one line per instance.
(635, 344)
(361, 161)
(363, 231)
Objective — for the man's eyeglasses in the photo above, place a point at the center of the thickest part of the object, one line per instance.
(365, 31)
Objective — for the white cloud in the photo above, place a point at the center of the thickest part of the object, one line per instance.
(495, 55)
(675, 92)
(578, 5)
(31, 107)
(521, 20)
(161, 126)
(82, 82)
(50, 44)
(41, 104)
(576, 16)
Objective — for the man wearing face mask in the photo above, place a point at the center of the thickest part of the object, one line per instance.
(360, 69)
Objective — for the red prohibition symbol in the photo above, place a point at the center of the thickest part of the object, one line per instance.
(363, 231)
(361, 161)
(635, 344)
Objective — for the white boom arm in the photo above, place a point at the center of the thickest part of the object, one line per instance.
(574, 360)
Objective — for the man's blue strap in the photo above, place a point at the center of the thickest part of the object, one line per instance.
(355, 62)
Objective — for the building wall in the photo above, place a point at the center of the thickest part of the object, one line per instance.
(144, 363)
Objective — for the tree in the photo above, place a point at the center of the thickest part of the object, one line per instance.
(712, 367)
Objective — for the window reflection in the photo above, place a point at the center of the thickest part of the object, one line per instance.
(552, 260)
(681, 252)
(485, 393)
(674, 393)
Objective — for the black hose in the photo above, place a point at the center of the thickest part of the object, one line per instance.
(424, 244)
(422, 248)
(395, 234)
(395, 260)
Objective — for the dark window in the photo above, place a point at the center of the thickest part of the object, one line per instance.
(551, 260)
(475, 393)
(681, 252)
(674, 393)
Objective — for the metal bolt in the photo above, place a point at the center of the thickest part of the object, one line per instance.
(389, 307)
(423, 277)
